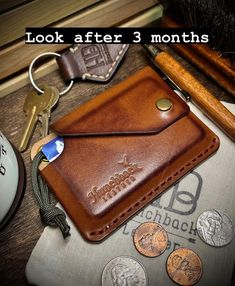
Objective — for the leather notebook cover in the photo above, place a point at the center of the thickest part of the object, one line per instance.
(121, 152)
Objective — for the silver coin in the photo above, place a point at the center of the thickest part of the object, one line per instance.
(124, 271)
(215, 228)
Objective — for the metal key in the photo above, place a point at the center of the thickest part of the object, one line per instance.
(34, 104)
(45, 115)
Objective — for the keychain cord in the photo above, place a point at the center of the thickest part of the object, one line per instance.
(50, 215)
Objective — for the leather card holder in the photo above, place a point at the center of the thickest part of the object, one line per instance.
(91, 61)
(121, 152)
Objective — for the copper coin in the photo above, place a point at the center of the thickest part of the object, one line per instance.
(150, 239)
(184, 266)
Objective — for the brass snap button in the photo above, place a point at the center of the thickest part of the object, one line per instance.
(164, 104)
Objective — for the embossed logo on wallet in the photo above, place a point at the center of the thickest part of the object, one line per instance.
(95, 56)
(117, 183)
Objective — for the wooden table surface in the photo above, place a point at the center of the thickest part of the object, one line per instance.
(18, 239)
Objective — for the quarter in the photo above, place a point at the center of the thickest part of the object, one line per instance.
(184, 266)
(215, 228)
(150, 239)
(124, 270)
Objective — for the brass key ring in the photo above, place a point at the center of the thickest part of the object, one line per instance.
(31, 73)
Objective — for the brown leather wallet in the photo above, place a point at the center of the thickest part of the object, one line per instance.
(121, 151)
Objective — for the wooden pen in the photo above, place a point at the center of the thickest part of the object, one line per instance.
(200, 95)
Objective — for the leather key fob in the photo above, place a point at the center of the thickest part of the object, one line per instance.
(91, 61)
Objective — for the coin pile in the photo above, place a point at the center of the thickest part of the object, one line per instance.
(183, 265)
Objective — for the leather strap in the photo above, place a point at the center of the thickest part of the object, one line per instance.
(91, 61)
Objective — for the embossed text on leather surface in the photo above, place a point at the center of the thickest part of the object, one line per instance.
(116, 183)
(165, 144)
(96, 62)
(95, 56)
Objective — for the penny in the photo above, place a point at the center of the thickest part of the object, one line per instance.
(124, 270)
(184, 266)
(150, 239)
(215, 228)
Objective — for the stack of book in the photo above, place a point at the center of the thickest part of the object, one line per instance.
(16, 15)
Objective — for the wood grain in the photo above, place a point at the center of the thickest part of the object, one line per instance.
(38, 13)
(20, 236)
(12, 84)
(144, 18)
(204, 99)
(204, 51)
(220, 62)
(103, 15)
(22, 79)
(207, 66)
(11, 4)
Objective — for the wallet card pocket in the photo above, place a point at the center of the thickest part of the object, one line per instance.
(122, 150)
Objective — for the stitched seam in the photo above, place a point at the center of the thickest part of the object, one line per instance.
(151, 192)
(73, 50)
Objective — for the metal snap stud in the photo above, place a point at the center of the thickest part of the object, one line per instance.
(164, 104)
